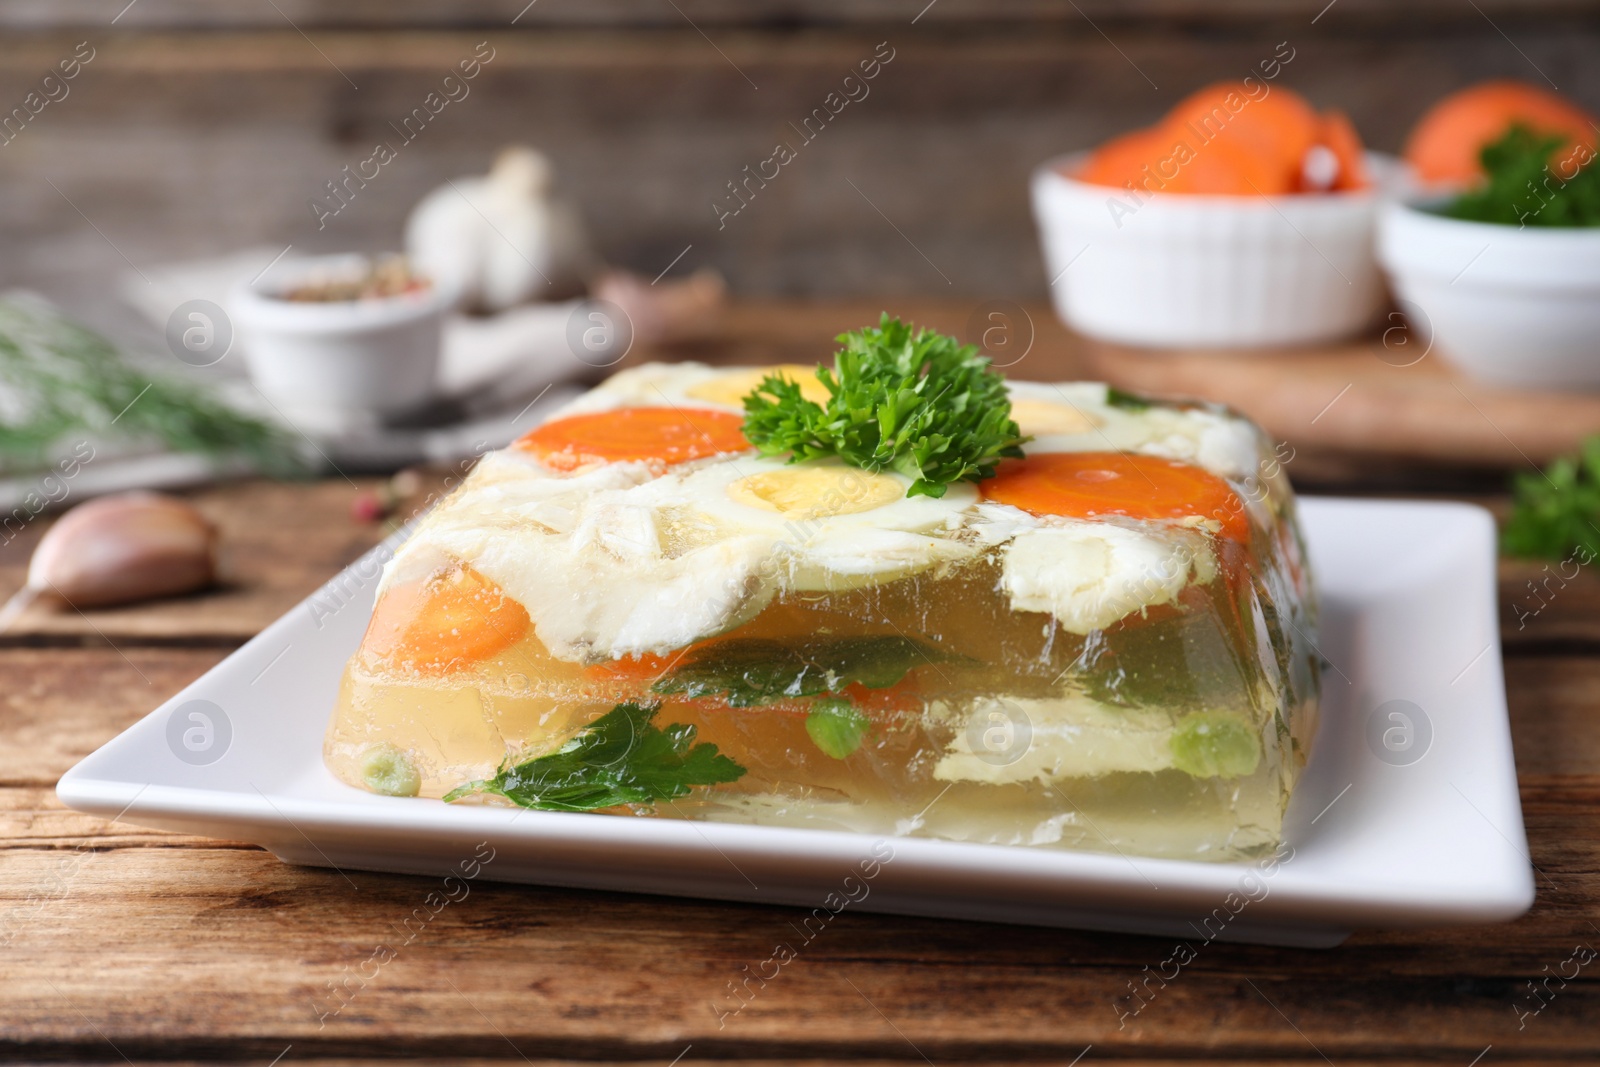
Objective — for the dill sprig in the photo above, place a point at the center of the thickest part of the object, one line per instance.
(58, 378)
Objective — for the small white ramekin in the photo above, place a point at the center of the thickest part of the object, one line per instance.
(340, 365)
(1182, 270)
(1508, 305)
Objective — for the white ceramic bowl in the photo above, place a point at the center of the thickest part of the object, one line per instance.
(1187, 270)
(1512, 306)
(340, 365)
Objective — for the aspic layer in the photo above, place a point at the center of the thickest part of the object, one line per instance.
(1100, 637)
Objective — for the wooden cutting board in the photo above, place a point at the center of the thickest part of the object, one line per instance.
(1341, 404)
(1364, 398)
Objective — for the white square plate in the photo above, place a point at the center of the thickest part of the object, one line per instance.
(1407, 815)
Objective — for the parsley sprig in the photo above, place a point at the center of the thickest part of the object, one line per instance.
(747, 672)
(921, 404)
(620, 758)
(1558, 511)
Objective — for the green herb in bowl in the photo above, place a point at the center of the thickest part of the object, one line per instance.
(1530, 182)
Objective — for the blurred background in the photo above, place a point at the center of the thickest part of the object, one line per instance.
(197, 145)
(201, 128)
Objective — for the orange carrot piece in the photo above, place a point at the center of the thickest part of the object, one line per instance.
(666, 435)
(1091, 485)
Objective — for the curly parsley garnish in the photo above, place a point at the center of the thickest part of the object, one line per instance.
(923, 405)
(1558, 511)
(620, 758)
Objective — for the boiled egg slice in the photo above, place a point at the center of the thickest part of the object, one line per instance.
(833, 526)
(731, 386)
(689, 385)
(1077, 417)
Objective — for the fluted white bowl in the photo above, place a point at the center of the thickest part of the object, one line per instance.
(1180, 270)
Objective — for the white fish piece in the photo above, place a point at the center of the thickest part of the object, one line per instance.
(1003, 741)
(1089, 574)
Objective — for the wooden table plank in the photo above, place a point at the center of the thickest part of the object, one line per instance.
(63, 703)
(279, 542)
(241, 948)
(124, 941)
(1366, 398)
(224, 948)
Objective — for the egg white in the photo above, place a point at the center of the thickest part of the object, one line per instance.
(613, 562)
(616, 560)
(823, 552)
(1089, 574)
(1227, 446)
(684, 385)
(649, 385)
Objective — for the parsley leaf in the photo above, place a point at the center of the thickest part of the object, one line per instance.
(620, 758)
(922, 405)
(1529, 181)
(750, 671)
(1558, 511)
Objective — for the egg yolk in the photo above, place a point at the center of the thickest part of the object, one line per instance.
(816, 492)
(663, 435)
(1089, 485)
(1037, 417)
(445, 622)
(733, 387)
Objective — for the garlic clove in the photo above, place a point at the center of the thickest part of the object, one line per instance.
(125, 548)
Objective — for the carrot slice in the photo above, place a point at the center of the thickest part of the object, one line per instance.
(445, 622)
(643, 667)
(1444, 145)
(664, 435)
(1091, 485)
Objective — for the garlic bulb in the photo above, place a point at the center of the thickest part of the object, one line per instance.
(501, 239)
(117, 550)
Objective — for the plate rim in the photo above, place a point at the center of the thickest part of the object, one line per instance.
(182, 807)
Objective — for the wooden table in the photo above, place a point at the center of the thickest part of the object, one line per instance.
(123, 943)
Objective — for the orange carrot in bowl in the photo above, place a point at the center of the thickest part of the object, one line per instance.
(1444, 145)
(1229, 140)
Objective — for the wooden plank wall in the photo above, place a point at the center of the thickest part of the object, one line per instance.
(201, 126)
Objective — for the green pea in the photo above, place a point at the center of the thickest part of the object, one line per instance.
(387, 770)
(836, 726)
(1215, 745)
